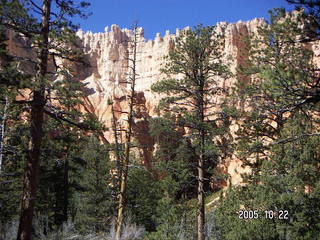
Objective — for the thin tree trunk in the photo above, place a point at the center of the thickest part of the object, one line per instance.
(30, 183)
(3, 125)
(123, 188)
(201, 209)
(117, 149)
(66, 188)
(124, 177)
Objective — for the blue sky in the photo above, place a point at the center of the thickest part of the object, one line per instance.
(161, 15)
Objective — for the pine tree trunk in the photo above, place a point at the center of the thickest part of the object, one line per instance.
(124, 178)
(3, 125)
(66, 189)
(201, 211)
(201, 119)
(30, 183)
(117, 147)
(123, 188)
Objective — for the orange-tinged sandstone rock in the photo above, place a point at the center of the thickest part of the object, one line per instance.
(108, 54)
(106, 79)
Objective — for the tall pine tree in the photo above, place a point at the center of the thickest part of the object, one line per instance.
(278, 138)
(194, 68)
(53, 36)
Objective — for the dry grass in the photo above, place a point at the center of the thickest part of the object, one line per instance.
(68, 232)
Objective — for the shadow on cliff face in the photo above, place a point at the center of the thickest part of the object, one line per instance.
(84, 70)
(141, 130)
(147, 143)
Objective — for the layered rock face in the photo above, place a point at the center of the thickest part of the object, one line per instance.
(106, 78)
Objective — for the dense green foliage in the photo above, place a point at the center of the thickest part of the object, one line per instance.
(12, 130)
(95, 202)
(278, 138)
(195, 70)
(289, 180)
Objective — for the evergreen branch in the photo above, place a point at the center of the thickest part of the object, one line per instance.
(284, 141)
(59, 117)
(39, 10)
(76, 59)
(16, 101)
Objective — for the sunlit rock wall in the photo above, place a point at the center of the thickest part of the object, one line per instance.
(108, 54)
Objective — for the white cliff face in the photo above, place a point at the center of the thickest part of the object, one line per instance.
(106, 78)
(108, 53)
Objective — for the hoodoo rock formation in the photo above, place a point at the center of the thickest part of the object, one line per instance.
(106, 78)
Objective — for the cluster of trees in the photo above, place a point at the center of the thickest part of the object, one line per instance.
(278, 136)
(277, 117)
(47, 143)
(55, 167)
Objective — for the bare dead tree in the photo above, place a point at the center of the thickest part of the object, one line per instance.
(128, 136)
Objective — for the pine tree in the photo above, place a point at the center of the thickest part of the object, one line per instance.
(283, 81)
(197, 58)
(63, 166)
(312, 18)
(52, 36)
(142, 197)
(95, 205)
(132, 77)
(60, 174)
(278, 138)
(174, 160)
(288, 183)
(11, 128)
